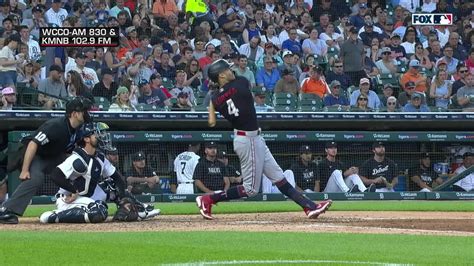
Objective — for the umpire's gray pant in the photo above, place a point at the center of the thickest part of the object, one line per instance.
(255, 160)
(19, 200)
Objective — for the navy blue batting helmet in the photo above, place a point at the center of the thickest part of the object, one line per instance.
(216, 68)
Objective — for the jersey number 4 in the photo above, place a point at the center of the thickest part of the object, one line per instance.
(231, 108)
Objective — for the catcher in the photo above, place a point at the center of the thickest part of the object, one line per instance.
(83, 190)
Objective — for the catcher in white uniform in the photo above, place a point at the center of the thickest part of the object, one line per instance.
(184, 166)
(82, 194)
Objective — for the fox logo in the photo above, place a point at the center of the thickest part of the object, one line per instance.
(432, 19)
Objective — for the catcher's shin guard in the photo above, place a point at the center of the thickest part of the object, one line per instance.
(97, 212)
(73, 215)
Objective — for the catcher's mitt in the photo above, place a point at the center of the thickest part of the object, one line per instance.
(126, 211)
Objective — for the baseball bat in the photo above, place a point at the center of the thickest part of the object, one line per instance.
(211, 120)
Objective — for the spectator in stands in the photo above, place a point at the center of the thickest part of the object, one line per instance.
(141, 179)
(364, 88)
(270, 51)
(422, 57)
(76, 87)
(461, 82)
(435, 52)
(56, 15)
(392, 105)
(4, 10)
(112, 62)
(313, 45)
(368, 34)
(8, 29)
(152, 96)
(35, 22)
(415, 104)
(29, 74)
(107, 87)
(361, 104)
(315, 83)
(194, 73)
(358, 19)
(250, 30)
(164, 8)
(409, 41)
(34, 52)
(387, 91)
(252, 50)
(332, 38)
(259, 101)
(268, 76)
(287, 83)
(305, 171)
(78, 10)
(209, 172)
(199, 51)
(422, 176)
(405, 96)
(270, 36)
(441, 89)
(232, 23)
(230, 171)
(165, 69)
(459, 52)
(353, 54)
(387, 65)
(119, 7)
(122, 101)
(470, 60)
(54, 88)
(180, 87)
(242, 70)
(413, 74)
(90, 59)
(337, 73)
(398, 51)
(467, 183)
(289, 62)
(336, 98)
(156, 83)
(143, 46)
(182, 103)
(9, 62)
(465, 95)
(379, 170)
(293, 45)
(89, 76)
(452, 62)
(8, 98)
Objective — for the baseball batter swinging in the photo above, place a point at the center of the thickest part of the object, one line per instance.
(234, 101)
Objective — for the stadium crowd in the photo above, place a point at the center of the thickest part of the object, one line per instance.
(300, 55)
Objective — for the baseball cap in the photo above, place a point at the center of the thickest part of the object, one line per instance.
(8, 91)
(56, 68)
(386, 50)
(81, 55)
(286, 52)
(107, 71)
(287, 20)
(230, 11)
(142, 83)
(182, 95)
(353, 30)
(335, 83)
(377, 144)
(331, 144)
(369, 24)
(37, 8)
(111, 150)
(121, 90)
(362, 5)
(364, 81)
(410, 84)
(425, 155)
(130, 29)
(440, 62)
(416, 95)
(414, 63)
(467, 154)
(268, 44)
(287, 71)
(305, 149)
(88, 49)
(155, 76)
(138, 156)
(388, 85)
(318, 69)
(210, 145)
(395, 35)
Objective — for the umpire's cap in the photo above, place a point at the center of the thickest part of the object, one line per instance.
(216, 68)
(80, 104)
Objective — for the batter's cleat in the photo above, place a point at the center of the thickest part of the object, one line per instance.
(321, 207)
(371, 188)
(204, 204)
(7, 217)
(49, 217)
(354, 189)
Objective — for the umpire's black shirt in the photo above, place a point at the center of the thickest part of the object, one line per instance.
(211, 174)
(235, 102)
(55, 137)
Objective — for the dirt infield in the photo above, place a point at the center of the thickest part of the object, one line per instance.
(432, 223)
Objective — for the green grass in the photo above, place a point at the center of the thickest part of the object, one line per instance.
(288, 206)
(153, 248)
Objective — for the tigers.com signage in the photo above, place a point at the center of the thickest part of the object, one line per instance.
(444, 19)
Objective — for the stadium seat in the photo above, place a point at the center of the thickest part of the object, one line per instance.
(283, 98)
(284, 108)
(387, 78)
(102, 103)
(436, 109)
(168, 83)
(200, 108)
(334, 109)
(140, 107)
(26, 96)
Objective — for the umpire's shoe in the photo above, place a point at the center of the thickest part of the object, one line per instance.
(321, 207)
(204, 204)
(7, 217)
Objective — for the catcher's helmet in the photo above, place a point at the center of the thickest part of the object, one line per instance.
(100, 129)
(216, 68)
